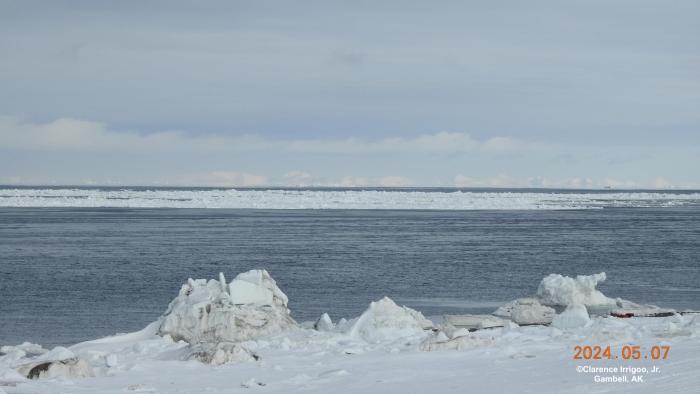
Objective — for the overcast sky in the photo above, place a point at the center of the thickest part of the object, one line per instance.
(465, 93)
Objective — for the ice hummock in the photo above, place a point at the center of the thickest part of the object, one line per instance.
(574, 316)
(215, 311)
(561, 290)
(526, 311)
(324, 323)
(59, 362)
(564, 291)
(384, 321)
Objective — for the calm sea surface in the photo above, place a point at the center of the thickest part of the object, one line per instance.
(72, 274)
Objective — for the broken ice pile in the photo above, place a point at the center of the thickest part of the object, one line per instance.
(214, 317)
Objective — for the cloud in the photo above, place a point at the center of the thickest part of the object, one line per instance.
(298, 178)
(352, 181)
(68, 134)
(217, 179)
(302, 178)
(497, 181)
(366, 72)
(661, 183)
(74, 151)
(506, 181)
(394, 181)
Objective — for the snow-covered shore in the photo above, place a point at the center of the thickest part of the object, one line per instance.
(221, 337)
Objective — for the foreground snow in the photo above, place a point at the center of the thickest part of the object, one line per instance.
(389, 349)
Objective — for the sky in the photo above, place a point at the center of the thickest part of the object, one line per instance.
(580, 94)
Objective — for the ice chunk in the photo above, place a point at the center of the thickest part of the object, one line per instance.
(10, 377)
(221, 353)
(384, 321)
(563, 290)
(575, 315)
(30, 349)
(111, 360)
(473, 322)
(324, 323)
(439, 341)
(59, 362)
(68, 368)
(629, 309)
(261, 279)
(250, 306)
(243, 292)
(526, 311)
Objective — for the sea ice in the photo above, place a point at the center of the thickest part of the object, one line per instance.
(30, 349)
(384, 321)
(626, 308)
(473, 322)
(440, 341)
(335, 199)
(58, 362)
(256, 287)
(250, 306)
(526, 311)
(556, 289)
(221, 353)
(324, 323)
(574, 316)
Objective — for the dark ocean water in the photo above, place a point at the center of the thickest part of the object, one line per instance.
(72, 274)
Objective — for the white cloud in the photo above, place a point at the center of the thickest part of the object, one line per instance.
(351, 181)
(217, 179)
(56, 152)
(394, 181)
(298, 178)
(301, 178)
(503, 180)
(661, 183)
(497, 181)
(68, 134)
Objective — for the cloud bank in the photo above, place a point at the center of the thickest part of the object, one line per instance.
(68, 134)
(75, 151)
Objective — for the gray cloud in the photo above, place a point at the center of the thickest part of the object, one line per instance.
(545, 70)
(79, 135)
(517, 93)
(85, 152)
